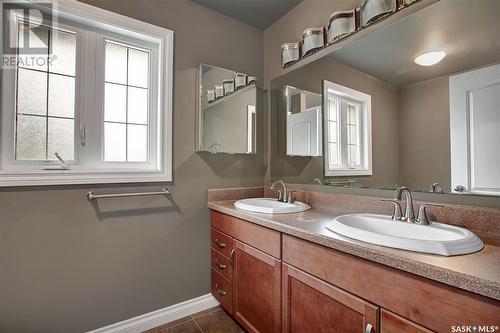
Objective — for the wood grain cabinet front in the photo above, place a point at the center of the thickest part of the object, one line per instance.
(222, 290)
(257, 289)
(311, 305)
(222, 242)
(392, 323)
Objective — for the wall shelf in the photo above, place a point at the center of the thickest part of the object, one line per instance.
(329, 49)
(226, 97)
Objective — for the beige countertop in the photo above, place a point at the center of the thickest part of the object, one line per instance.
(478, 272)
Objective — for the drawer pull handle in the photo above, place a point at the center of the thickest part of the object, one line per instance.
(220, 245)
(369, 328)
(231, 257)
(221, 292)
(219, 265)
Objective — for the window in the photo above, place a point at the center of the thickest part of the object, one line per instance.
(348, 127)
(86, 96)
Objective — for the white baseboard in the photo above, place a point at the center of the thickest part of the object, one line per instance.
(160, 317)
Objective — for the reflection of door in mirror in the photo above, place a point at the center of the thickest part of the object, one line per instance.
(303, 122)
(475, 131)
(347, 121)
(251, 129)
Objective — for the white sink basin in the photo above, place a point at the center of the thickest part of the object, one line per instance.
(270, 206)
(437, 238)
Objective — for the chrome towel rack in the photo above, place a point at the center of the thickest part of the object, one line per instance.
(92, 195)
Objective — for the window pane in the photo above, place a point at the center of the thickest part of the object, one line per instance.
(332, 155)
(114, 142)
(31, 92)
(64, 50)
(61, 96)
(115, 103)
(30, 138)
(33, 37)
(353, 137)
(352, 156)
(332, 132)
(61, 138)
(138, 68)
(116, 63)
(137, 105)
(137, 150)
(332, 110)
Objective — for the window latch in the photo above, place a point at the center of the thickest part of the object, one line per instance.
(62, 164)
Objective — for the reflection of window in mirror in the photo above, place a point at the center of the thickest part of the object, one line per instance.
(251, 129)
(348, 127)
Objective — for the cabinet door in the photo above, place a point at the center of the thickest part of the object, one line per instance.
(257, 289)
(312, 305)
(392, 323)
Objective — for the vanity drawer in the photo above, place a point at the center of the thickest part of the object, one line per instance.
(392, 323)
(222, 290)
(222, 242)
(222, 264)
(262, 238)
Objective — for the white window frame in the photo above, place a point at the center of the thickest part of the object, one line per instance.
(331, 89)
(124, 26)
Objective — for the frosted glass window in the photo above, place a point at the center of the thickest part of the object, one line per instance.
(115, 149)
(49, 96)
(126, 103)
(137, 143)
(31, 137)
(31, 36)
(115, 103)
(138, 68)
(64, 51)
(61, 96)
(137, 105)
(31, 92)
(116, 63)
(61, 138)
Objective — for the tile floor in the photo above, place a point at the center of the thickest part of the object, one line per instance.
(214, 320)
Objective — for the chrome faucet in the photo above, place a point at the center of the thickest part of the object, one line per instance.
(436, 188)
(283, 195)
(409, 214)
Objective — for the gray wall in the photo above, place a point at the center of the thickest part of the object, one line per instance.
(424, 111)
(69, 266)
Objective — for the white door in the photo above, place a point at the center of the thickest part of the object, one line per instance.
(475, 131)
(304, 130)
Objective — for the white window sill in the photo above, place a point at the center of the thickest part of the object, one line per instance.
(70, 177)
(349, 172)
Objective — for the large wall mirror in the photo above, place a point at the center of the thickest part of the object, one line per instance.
(227, 114)
(389, 121)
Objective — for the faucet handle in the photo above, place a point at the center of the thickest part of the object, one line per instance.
(397, 214)
(422, 213)
(290, 198)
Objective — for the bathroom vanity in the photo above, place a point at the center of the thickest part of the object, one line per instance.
(287, 273)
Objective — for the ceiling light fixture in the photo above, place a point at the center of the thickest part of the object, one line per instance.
(430, 58)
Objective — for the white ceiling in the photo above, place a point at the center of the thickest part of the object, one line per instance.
(468, 30)
(258, 13)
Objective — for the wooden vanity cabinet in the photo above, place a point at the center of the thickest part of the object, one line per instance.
(311, 305)
(256, 285)
(272, 282)
(250, 287)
